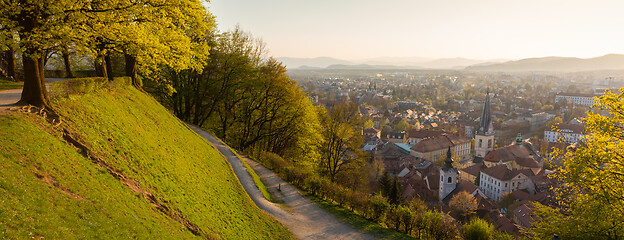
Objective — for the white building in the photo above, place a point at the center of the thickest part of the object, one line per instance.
(576, 98)
(498, 180)
(568, 133)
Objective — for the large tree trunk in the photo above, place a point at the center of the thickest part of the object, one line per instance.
(100, 70)
(65, 54)
(131, 69)
(34, 92)
(109, 67)
(11, 65)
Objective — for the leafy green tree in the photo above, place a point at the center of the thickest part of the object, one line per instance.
(402, 125)
(369, 124)
(43, 25)
(590, 203)
(478, 229)
(341, 139)
(463, 204)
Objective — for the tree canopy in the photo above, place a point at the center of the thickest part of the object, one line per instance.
(156, 31)
(590, 203)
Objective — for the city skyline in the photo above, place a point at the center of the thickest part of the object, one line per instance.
(480, 29)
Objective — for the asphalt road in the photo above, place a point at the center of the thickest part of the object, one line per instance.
(303, 217)
(8, 98)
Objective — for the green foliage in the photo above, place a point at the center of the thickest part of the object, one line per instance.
(245, 98)
(463, 205)
(50, 190)
(341, 139)
(478, 229)
(413, 219)
(369, 124)
(591, 202)
(402, 125)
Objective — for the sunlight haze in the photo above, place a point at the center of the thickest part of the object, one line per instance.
(480, 29)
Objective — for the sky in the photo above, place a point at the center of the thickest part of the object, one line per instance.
(477, 29)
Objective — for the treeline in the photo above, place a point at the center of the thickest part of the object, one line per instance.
(244, 98)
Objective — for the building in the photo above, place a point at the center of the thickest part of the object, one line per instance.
(484, 137)
(497, 180)
(519, 155)
(568, 133)
(470, 173)
(434, 148)
(414, 135)
(576, 98)
(371, 132)
(448, 176)
(397, 137)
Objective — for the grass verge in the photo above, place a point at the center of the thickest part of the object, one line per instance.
(6, 84)
(263, 189)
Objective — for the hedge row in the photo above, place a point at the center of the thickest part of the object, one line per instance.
(413, 219)
(86, 85)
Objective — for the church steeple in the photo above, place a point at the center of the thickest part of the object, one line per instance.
(448, 162)
(484, 139)
(485, 125)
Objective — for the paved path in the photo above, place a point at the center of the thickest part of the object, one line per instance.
(304, 218)
(8, 98)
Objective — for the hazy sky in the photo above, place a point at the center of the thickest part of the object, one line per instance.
(482, 29)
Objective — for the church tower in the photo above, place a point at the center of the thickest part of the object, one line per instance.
(448, 176)
(484, 138)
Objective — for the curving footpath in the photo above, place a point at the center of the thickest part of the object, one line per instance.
(303, 217)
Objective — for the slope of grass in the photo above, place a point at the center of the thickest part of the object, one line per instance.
(6, 84)
(54, 192)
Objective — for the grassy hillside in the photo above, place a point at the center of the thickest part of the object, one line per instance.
(49, 189)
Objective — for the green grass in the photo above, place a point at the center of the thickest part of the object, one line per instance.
(263, 189)
(138, 137)
(359, 222)
(6, 84)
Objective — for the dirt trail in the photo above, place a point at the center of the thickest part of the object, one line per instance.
(304, 218)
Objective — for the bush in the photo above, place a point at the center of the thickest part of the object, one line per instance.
(478, 229)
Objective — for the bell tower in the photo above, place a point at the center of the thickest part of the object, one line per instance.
(484, 138)
(448, 176)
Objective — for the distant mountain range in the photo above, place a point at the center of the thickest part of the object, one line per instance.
(545, 64)
(556, 64)
(382, 63)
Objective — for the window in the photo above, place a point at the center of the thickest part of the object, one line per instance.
(505, 184)
(513, 184)
(489, 143)
(441, 179)
(480, 142)
(449, 179)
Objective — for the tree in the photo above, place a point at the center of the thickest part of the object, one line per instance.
(341, 139)
(478, 229)
(402, 125)
(590, 203)
(42, 25)
(463, 204)
(369, 124)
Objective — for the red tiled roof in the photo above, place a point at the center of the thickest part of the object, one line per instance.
(425, 133)
(474, 170)
(508, 153)
(439, 142)
(574, 128)
(523, 215)
(501, 172)
(371, 131)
